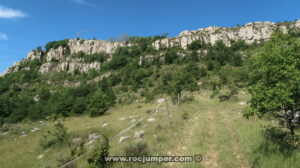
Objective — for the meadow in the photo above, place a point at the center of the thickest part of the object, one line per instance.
(200, 125)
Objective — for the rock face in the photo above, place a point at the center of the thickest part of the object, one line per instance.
(58, 60)
(251, 32)
(94, 46)
(36, 54)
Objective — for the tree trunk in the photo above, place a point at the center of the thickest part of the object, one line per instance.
(289, 120)
(168, 110)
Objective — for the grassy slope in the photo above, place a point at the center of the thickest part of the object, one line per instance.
(215, 130)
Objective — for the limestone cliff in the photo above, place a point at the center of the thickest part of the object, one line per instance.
(250, 33)
(59, 59)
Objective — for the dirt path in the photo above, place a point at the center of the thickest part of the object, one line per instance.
(210, 158)
(237, 150)
(180, 149)
(214, 113)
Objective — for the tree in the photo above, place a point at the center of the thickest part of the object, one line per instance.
(57, 136)
(275, 85)
(101, 101)
(185, 79)
(97, 158)
(196, 45)
(171, 55)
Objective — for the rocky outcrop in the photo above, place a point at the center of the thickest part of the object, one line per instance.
(14, 68)
(94, 46)
(69, 67)
(59, 59)
(251, 32)
(56, 54)
(34, 54)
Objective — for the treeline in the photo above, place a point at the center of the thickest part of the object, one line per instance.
(18, 105)
(139, 68)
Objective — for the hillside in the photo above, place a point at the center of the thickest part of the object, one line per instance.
(214, 91)
(255, 32)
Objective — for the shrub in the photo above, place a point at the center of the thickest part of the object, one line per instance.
(224, 97)
(214, 93)
(97, 158)
(171, 55)
(58, 135)
(63, 160)
(196, 45)
(97, 57)
(137, 149)
(187, 99)
(78, 150)
(185, 115)
(101, 102)
(56, 44)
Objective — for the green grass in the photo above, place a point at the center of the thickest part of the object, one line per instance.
(232, 134)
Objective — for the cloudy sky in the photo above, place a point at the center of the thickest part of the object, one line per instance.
(26, 24)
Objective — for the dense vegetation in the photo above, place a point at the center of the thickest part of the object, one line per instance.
(132, 72)
(26, 95)
(56, 44)
(275, 82)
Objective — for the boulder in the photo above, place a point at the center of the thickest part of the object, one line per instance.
(151, 119)
(92, 138)
(139, 134)
(35, 130)
(122, 118)
(161, 100)
(40, 156)
(122, 139)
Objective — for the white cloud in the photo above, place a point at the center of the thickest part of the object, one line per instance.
(84, 2)
(10, 13)
(3, 36)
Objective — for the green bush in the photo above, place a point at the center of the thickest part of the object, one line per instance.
(196, 45)
(56, 44)
(78, 150)
(185, 115)
(97, 157)
(57, 136)
(101, 101)
(136, 149)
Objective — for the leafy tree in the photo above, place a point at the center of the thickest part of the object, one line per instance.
(196, 45)
(186, 79)
(97, 157)
(80, 106)
(239, 45)
(100, 102)
(275, 85)
(171, 55)
(38, 111)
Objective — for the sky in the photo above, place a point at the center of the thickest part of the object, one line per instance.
(27, 24)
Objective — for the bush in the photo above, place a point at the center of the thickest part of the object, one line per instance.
(196, 45)
(101, 102)
(58, 135)
(185, 115)
(136, 149)
(78, 150)
(62, 161)
(56, 44)
(187, 99)
(214, 93)
(97, 158)
(171, 55)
